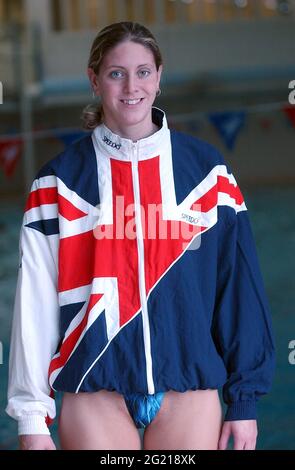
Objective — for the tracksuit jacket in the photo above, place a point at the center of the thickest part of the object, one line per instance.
(138, 273)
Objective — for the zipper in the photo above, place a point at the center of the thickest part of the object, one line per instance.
(141, 272)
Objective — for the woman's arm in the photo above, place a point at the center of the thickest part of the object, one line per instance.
(242, 327)
(35, 333)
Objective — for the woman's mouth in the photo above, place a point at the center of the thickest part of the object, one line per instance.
(132, 102)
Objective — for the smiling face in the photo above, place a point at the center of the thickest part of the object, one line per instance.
(127, 83)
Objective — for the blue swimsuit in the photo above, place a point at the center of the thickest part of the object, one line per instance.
(143, 408)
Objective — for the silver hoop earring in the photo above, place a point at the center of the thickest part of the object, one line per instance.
(93, 94)
(158, 92)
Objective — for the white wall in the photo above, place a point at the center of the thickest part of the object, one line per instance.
(190, 50)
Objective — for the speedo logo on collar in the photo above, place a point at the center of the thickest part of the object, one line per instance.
(110, 143)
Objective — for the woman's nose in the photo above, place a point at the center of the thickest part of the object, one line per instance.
(131, 84)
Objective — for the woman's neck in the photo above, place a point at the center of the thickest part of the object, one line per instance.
(133, 133)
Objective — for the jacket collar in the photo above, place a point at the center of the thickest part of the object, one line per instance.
(115, 146)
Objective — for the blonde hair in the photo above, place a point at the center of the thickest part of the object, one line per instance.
(106, 39)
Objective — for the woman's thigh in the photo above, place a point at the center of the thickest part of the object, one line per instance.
(189, 420)
(97, 420)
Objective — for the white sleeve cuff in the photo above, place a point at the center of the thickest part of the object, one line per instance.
(32, 424)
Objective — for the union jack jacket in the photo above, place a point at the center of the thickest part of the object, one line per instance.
(138, 273)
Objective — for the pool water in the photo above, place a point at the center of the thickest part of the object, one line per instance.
(273, 221)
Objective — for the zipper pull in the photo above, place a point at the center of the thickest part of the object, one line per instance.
(134, 151)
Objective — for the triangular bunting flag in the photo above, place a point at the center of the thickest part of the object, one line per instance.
(290, 112)
(228, 125)
(193, 126)
(10, 152)
(69, 137)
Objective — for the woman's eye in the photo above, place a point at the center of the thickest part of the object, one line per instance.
(115, 73)
(144, 73)
(119, 73)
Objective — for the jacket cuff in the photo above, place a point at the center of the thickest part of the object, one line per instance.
(241, 410)
(32, 424)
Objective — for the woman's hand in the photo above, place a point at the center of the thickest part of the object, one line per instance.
(244, 433)
(36, 442)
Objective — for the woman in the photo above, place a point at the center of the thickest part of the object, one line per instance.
(139, 292)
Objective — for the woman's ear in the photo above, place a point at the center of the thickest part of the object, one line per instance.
(93, 80)
(160, 70)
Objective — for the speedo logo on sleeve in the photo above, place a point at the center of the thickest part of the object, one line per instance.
(110, 143)
(190, 219)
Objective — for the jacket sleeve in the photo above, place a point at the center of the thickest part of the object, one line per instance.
(242, 323)
(34, 336)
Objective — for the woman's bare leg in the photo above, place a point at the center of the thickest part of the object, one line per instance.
(189, 420)
(97, 420)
